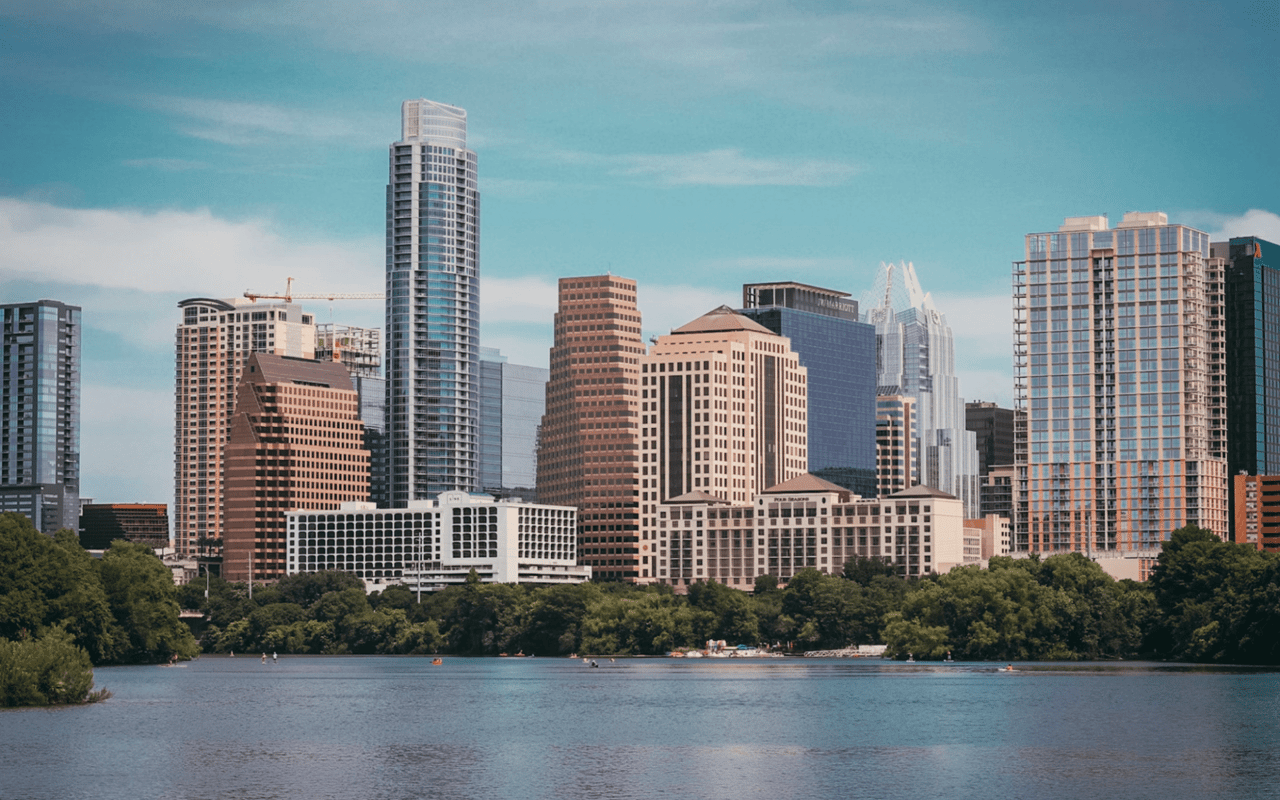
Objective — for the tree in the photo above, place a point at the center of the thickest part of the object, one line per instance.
(863, 569)
(46, 671)
(47, 582)
(144, 603)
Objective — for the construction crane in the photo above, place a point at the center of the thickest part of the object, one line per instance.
(289, 295)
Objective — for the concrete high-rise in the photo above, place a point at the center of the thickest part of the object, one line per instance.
(588, 448)
(723, 414)
(1111, 364)
(360, 351)
(433, 305)
(213, 340)
(897, 462)
(513, 398)
(916, 358)
(296, 443)
(840, 353)
(40, 431)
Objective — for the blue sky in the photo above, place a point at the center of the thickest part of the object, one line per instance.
(153, 151)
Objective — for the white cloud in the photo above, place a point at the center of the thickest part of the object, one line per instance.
(192, 252)
(516, 300)
(723, 167)
(126, 444)
(663, 308)
(1254, 222)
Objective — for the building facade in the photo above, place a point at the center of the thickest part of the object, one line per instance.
(993, 427)
(432, 544)
(839, 352)
(589, 442)
(103, 523)
(212, 342)
(1256, 509)
(897, 462)
(433, 305)
(1111, 364)
(916, 358)
(723, 404)
(996, 492)
(513, 398)
(804, 523)
(40, 392)
(360, 351)
(296, 442)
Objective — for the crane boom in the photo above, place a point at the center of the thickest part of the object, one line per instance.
(289, 295)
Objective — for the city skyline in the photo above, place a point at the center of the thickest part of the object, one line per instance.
(754, 144)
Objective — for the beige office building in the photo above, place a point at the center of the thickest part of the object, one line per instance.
(213, 340)
(805, 523)
(723, 411)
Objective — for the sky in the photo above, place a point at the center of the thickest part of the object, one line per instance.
(152, 151)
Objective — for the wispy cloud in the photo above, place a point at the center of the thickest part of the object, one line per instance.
(782, 50)
(245, 123)
(781, 265)
(166, 164)
(721, 167)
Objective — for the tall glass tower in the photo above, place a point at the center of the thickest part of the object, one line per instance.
(1114, 351)
(915, 357)
(40, 432)
(433, 305)
(840, 354)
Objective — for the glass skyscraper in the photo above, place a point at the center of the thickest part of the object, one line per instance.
(513, 399)
(433, 306)
(1251, 297)
(1113, 354)
(40, 396)
(840, 353)
(915, 357)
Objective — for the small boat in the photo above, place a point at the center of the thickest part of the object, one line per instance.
(435, 662)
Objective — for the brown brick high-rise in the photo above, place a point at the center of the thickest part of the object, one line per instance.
(588, 450)
(296, 442)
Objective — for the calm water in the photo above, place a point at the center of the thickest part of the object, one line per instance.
(781, 728)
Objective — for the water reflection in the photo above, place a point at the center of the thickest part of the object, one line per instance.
(397, 727)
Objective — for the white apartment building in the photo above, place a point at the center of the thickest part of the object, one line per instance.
(430, 544)
(213, 340)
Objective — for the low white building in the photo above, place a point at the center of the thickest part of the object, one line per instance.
(431, 544)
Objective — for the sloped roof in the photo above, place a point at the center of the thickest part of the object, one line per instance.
(722, 319)
(696, 497)
(804, 483)
(921, 490)
(305, 371)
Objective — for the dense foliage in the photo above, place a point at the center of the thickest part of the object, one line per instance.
(119, 609)
(1209, 600)
(45, 672)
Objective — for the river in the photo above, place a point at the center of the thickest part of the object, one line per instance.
(366, 728)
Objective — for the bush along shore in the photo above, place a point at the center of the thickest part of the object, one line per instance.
(1208, 601)
(62, 612)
